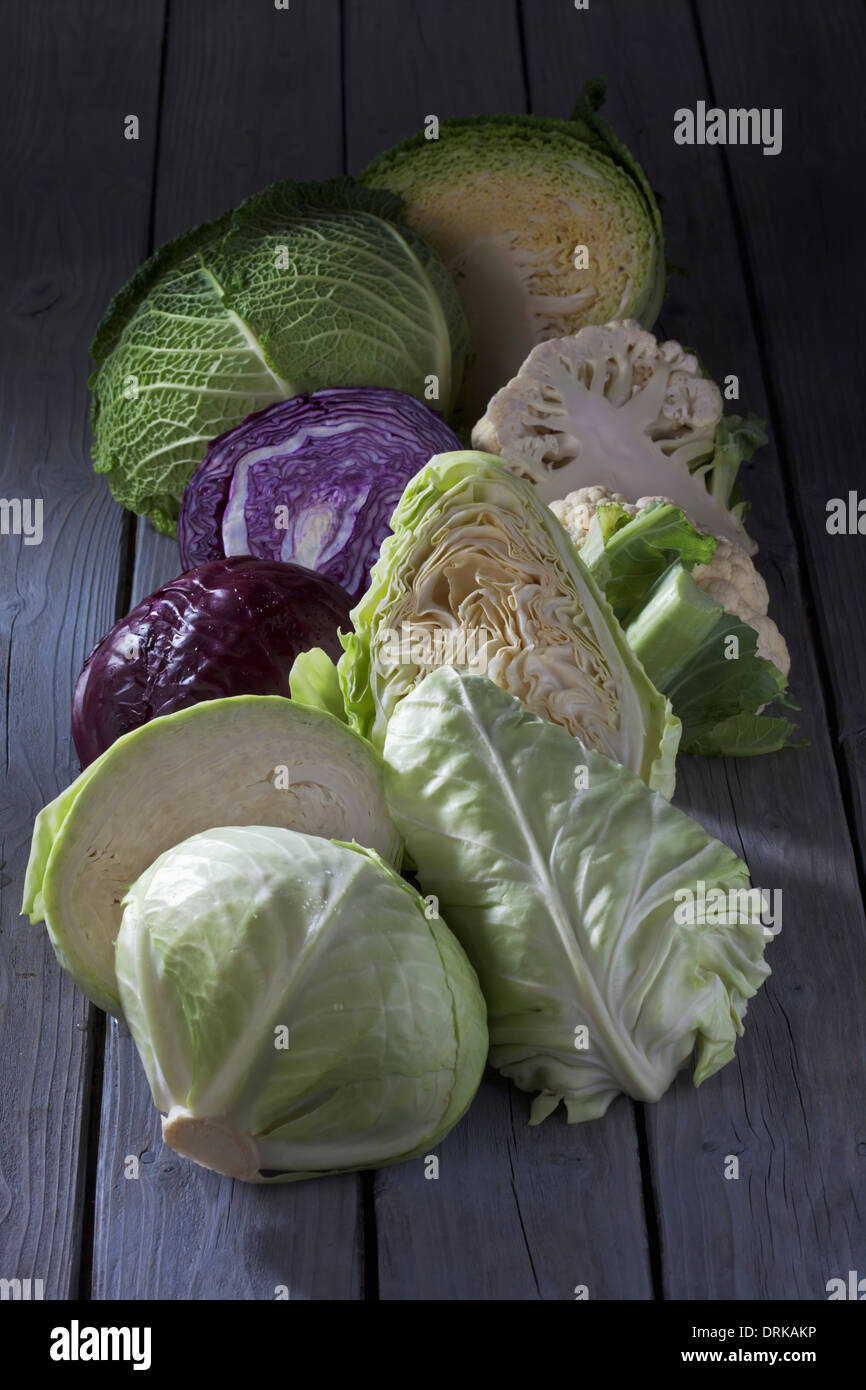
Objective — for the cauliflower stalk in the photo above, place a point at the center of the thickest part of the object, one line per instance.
(730, 576)
(612, 402)
(682, 596)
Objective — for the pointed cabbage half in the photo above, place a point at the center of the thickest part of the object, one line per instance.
(479, 574)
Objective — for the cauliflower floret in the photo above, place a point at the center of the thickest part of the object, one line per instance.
(731, 565)
(730, 579)
(576, 511)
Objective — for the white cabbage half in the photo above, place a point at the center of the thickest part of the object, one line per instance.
(250, 759)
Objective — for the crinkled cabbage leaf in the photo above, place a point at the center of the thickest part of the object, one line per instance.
(303, 286)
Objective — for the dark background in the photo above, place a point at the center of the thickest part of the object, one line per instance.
(230, 96)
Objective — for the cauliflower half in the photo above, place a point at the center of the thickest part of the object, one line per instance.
(612, 402)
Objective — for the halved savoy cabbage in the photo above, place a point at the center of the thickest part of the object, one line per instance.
(250, 759)
(478, 573)
(546, 225)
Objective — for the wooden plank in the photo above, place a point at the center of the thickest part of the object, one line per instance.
(517, 1213)
(75, 195)
(788, 1107)
(252, 94)
(180, 1232)
(800, 213)
(405, 59)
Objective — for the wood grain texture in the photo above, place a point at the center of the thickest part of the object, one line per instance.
(65, 241)
(251, 95)
(510, 1216)
(406, 59)
(788, 1106)
(801, 213)
(516, 1212)
(177, 1231)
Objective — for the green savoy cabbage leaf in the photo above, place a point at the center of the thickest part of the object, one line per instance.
(304, 286)
(296, 1008)
(559, 872)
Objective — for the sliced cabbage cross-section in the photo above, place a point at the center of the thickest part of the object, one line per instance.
(478, 574)
(248, 760)
(545, 225)
(612, 405)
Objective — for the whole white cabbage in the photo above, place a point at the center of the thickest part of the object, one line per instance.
(296, 1009)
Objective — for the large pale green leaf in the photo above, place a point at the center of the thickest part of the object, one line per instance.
(559, 872)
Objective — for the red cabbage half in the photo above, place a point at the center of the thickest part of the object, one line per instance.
(312, 480)
(232, 627)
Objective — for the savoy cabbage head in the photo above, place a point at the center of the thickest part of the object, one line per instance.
(304, 286)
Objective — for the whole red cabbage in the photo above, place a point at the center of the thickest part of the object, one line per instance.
(312, 480)
(232, 627)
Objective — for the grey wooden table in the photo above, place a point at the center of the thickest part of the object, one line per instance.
(231, 94)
